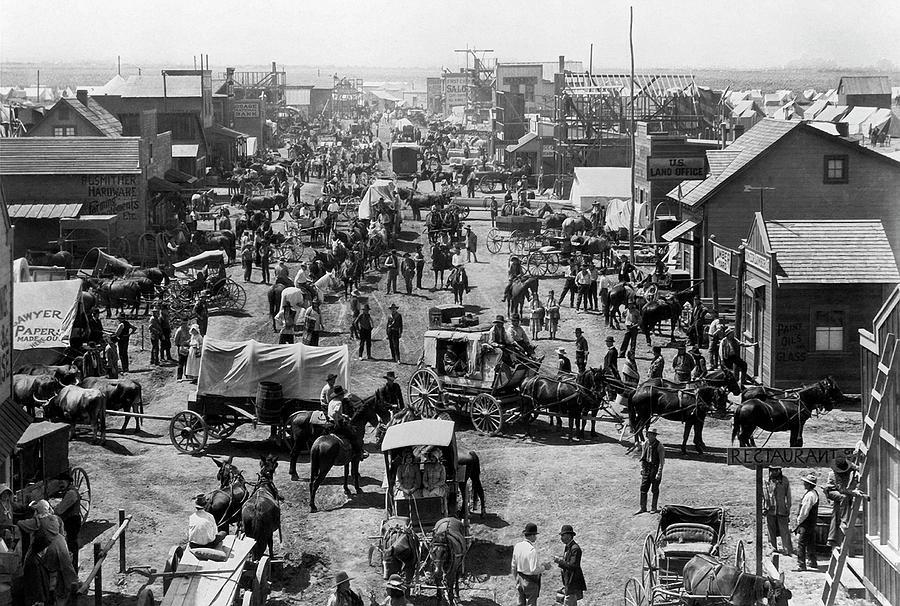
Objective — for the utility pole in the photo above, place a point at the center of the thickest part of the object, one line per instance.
(631, 214)
(762, 200)
(476, 70)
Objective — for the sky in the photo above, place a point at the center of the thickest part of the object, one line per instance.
(424, 33)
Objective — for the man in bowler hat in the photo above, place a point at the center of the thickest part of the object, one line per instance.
(527, 567)
(570, 565)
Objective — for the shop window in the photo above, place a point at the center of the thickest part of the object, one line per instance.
(836, 169)
(747, 312)
(829, 330)
(892, 496)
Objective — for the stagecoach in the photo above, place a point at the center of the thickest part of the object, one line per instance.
(460, 370)
(223, 292)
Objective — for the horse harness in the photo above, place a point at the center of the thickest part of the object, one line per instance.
(714, 571)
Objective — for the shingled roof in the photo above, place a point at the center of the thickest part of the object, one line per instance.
(69, 155)
(97, 115)
(864, 85)
(832, 251)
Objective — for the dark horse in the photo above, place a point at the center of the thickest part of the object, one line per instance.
(447, 554)
(261, 512)
(669, 308)
(458, 282)
(573, 395)
(787, 412)
(517, 292)
(724, 584)
(401, 550)
(330, 450)
(688, 405)
(306, 426)
(225, 502)
(473, 472)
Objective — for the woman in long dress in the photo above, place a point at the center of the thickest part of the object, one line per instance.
(192, 369)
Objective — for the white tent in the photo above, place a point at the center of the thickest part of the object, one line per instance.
(599, 184)
(21, 271)
(380, 188)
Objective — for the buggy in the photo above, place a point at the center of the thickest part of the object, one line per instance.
(224, 293)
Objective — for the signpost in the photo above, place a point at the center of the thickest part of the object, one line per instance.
(760, 458)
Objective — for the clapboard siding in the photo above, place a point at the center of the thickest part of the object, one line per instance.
(882, 575)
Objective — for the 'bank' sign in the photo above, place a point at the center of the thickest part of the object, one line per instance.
(246, 110)
(676, 169)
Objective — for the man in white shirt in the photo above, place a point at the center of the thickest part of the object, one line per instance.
(301, 277)
(202, 530)
(458, 260)
(327, 391)
(527, 567)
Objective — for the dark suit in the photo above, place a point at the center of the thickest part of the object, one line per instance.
(394, 330)
(572, 576)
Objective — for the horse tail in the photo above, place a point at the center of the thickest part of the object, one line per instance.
(632, 414)
(736, 425)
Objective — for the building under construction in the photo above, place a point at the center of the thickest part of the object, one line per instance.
(593, 114)
(251, 85)
(347, 98)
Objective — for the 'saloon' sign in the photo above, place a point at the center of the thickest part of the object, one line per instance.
(690, 168)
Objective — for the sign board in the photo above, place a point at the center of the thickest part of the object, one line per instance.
(456, 89)
(786, 457)
(757, 260)
(676, 169)
(721, 258)
(44, 313)
(246, 110)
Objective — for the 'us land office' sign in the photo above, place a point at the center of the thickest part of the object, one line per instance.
(682, 169)
(786, 457)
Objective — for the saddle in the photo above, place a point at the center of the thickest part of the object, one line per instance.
(319, 419)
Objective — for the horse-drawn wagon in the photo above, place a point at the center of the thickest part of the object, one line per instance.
(39, 462)
(192, 277)
(522, 233)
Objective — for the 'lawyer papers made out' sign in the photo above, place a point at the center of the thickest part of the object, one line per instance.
(676, 169)
(44, 313)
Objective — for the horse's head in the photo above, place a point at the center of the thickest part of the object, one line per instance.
(267, 466)
(832, 392)
(731, 382)
(228, 473)
(776, 593)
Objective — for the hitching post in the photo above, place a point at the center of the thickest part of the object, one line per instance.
(98, 579)
(122, 542)
(759, 519)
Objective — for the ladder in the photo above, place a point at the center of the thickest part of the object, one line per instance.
(871, 429)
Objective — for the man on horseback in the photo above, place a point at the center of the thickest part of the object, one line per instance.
(340, 413)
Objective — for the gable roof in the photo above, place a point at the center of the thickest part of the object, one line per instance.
(69, 155)
(864, 85)
(832, 251)
(97, 115)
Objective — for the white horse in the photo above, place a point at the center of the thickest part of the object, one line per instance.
(327, 283)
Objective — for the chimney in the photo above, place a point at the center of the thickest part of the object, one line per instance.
(274, 69)
(723, 134)
(562, 64)
(82, 95)
(843, 129)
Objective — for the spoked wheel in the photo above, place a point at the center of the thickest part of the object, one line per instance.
(740, 557)
(552, 263)
(188, 432)
(634, 593)
(236, 294)
(222, 427)
(83, 485)
(463, 211)
(494, 241)
(649, 569)
(534, 264)
(487, 414)
(515, 244)
(292, 249)
(171, 566)
(486, 185)
(260, 590)
(425, 394)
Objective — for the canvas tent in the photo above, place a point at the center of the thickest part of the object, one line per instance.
(380, 188)
(235, 369)
(599, 184)
(44, 315)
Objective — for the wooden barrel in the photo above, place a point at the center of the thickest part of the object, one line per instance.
(269, 402)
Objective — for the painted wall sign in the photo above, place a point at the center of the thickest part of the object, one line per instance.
(721, 258)
(246, 110)
(689, 168)
(791, 341)
(758, 260)
(786, 457)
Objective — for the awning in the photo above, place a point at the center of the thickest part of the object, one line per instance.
(251, 146)
(679, 230)
(754, 283)
(161, 185)
(189, 150)
(523, 141)
(176, 176)
(224, 131)
(101, 222)
(13, 423)
(43, 211)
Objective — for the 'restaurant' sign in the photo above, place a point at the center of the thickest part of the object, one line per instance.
(786, 457)
(246, 110)
(690, 168)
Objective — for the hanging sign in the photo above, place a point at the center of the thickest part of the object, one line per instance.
(786, 457)
(721, 258)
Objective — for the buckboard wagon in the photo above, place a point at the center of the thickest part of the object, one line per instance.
(522, 233)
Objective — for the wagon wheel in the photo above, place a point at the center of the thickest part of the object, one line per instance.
(171, 566)
(740, 557)
(222, 427)
(513, 244)
(236, 294)
(260, 591)
(486, 414)
(486, 185)
(552, 264)
(83, 485)
(145, 597)
(462, 210)
(494, 241)
(425, 393)
(649, 564)
(188, 432)
(534, 264)
(634, 593)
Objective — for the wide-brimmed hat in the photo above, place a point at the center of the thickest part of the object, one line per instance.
(530, 528)
(395, 582)
(561, 351)
(341, 577)
(610, 340)
(393, 306)
(331, 377)
(567, 529)
(810, 478)
(499, 320)
(842, 465)
(41, 507)
(390, 375)
(653, 431)
(339, 389)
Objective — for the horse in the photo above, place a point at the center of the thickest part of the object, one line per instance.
(447, 555)
(655, 398)
(472, 463)
(401, 551)
(576, 225)
(458, 282)
(330, 450)
(561, 394)
(669, 308)
(226, 501)
(619, 295)
(759, 409)
(62, 258)
(440, 262)
(706, 576)
(261, 512)
(329, 282)
(304, 426)
(517, 291)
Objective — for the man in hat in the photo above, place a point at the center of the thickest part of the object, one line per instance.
(730, 353)
(155, 329)
(583, 284)
(311, 319)
(632, 328)
(471, 244)
(840, 489)
(695, 324)
(611, 359)
(408, 270)
(165, 340)
(327, 392)
(90, 361)
(182, 341)
(201, 313)
(419, 260)
(392, 266)
(202, 529)
(123, 332)
(582, 350)
(527, 567)
(342, 595)
(339, 413)
(494, 210)
(806, 523)
(564, 365)
(394, 330)
(390, 394)
(570, 286)
(699, 363)
(605, 283)
(573, 584)
(69, 511)
(682, 365)
(363, 327)
(516, 335)
(653, 458)
(657, 364)
(301, 278)
(715, 330)
(777, 509)
(396, 592)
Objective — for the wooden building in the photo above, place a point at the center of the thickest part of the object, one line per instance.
(78, 117)
(807, 288)
(789, 170)
(865, 91)
(881, 548)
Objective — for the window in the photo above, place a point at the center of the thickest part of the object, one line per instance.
(892, 494)
(836, 169)
(829, 329)
(63, 131)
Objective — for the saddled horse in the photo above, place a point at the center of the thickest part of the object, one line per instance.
(669, 308)
(472, 463)
(401, 551)
(446, 555)
(261, 512)
(686, 403)
(724, 584)
(619, 295)
(225, 502)
(330, 450)
(458, 282)
(517, 292)
(787, 412)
